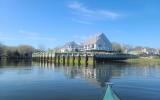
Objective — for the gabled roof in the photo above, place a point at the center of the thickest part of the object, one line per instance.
(72, 44)
(95, 38)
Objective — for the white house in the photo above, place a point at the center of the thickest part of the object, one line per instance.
(98, 42)
(69, 47)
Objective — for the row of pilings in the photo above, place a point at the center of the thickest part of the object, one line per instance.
(80, 58)
(65, 58)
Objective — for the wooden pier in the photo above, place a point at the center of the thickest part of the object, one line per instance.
(79, 58)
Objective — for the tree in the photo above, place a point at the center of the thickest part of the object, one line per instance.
(25, 51)
(22, 51)
(1, 51)
(117, 47)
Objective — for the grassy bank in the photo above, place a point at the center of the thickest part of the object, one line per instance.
(145, 61)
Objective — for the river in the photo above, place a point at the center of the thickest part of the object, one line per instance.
(24, 80)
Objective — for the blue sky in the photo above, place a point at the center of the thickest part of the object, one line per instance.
(51, 23)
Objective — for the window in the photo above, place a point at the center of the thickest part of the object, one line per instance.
(99, 46)
(85, 46)
(92, 45)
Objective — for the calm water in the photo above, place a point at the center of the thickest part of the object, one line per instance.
(44, 81)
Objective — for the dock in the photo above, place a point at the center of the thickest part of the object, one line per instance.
(79, 58)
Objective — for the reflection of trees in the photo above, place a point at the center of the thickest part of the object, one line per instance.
(23, 66)
(15, 63)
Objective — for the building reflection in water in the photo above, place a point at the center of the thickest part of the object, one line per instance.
(102, 73)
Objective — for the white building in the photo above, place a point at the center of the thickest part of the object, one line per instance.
(69, 47)
(98, 42)
(153, 51)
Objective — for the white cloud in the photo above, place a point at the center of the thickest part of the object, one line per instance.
(26, 37)
(80, 11)
(108, 14)
(82, 37)
(81, 21)
(6, 36)
(79, 7)
(35, 35)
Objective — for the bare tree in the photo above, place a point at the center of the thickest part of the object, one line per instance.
(117, 47)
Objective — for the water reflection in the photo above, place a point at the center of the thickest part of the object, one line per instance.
(102, 73)
(99, 74)
(58, 82)
(15, 63)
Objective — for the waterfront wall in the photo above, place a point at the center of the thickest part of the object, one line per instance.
(65, 58)
(79, 58)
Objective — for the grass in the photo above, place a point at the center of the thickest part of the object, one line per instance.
(145, 61)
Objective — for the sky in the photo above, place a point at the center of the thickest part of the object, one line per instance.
(51, 23)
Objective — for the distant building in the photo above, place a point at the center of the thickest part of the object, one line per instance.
(70, 47)
(98, 42)
(152, 51)
(144, 51)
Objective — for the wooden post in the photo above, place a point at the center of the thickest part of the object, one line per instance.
(79, 60)
(39, 56)
(48, 57)
(86, 60)
(55, 58)
(94, 60)
(73, 59)
(51, 57)
(43, 56)
(58, 59)
(63, 57)
(68, 60)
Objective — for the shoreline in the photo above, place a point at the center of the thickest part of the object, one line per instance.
(144, 61)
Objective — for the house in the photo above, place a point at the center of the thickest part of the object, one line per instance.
(144, 51)
(98, 42)
(70, 47)
(152, 51)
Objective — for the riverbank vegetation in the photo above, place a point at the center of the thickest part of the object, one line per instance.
(145, 60)
(16, 52)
